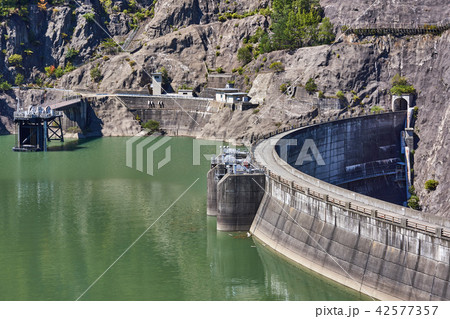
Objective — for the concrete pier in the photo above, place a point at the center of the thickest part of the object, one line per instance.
(238, 199)
(212, 180)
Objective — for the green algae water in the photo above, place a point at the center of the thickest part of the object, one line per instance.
(68, 214)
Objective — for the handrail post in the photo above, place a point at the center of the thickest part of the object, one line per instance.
(403, 222)
(439, 232)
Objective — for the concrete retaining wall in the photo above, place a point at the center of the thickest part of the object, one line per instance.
(177, 116)
(369, 254)
(134, 102)
(238, 199)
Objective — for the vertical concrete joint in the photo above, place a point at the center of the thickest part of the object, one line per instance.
(404, 222)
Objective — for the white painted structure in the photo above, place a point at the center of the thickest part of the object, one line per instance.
(401, 102)
(157, 83)
(186, 92)
(231, 96)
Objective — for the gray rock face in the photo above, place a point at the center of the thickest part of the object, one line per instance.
(364, 65)
(172, 14)
(370, 13)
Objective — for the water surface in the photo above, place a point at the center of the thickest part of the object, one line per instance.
(68, 214)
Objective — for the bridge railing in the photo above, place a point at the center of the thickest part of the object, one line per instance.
(396, 29)
(37, 114)
(391, 219)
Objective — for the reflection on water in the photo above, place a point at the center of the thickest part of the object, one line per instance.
(292, 282)
(66, 216)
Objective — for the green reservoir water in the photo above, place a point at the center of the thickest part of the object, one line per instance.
(68, 214)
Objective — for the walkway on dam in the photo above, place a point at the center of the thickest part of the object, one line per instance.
(65, 104)
(264, 155)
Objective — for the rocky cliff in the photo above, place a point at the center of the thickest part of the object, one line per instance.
(191, 39)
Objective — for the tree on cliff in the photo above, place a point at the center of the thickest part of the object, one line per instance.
(296, 24)
(400, 85)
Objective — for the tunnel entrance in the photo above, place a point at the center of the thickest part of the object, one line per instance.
(400, 104)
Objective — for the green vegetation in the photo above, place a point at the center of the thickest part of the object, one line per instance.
(106, 4)
(69, 67)
(4, 85)
(239, 70)
(431, 184)
(49, 70)
(96, 75)
(277, 66)
(59, 72)
(39, 82)
(415, 112)
(414, 202)
(19, 79)
(15, 59)
(151, 125)
(245, 54)
(90, 16)
(283, 87)
(52, 71)
(321, 95)
(295, 24)
(9, 7)
(220, 70)
(376, 109)
(165, 76)
(311, 86)
(109, 46)
(229, 15)
(401, 86)
(71, 54)
(255, 111)
(185, 87)
(340, 95)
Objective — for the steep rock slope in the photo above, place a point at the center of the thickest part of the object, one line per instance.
(370, 13)
(187, 39)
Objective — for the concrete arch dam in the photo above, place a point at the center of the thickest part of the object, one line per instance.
(384, 250)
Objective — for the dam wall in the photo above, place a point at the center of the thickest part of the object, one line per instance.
(359, 154)
(176, 115)
(369, 251)
(378, 248)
